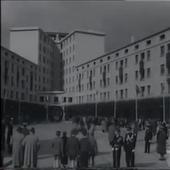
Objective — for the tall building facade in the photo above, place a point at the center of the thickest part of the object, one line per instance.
(138, 70)
(73, 69)
(36, 46)
(19, 80)
(76, 48)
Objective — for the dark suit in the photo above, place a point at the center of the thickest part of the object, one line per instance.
(116, 144)
(129, 146)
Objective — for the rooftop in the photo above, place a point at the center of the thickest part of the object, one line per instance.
(133, 43)
(84, 32)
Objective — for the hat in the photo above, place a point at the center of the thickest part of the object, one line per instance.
(129, 128)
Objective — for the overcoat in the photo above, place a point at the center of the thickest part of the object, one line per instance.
(161, 142)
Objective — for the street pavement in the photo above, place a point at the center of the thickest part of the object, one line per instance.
(46, 133)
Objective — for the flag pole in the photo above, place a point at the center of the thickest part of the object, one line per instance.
(163, 108)
(136, 108)
(115, 108)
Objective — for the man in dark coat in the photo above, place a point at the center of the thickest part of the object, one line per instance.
(161, 142)
(57, 150)
(64, 158)
(129, 146)
(9, 135)
(111, 132)
(84, 149)
(73, 148)
(93, 150)
(148, 138)
(116, 148)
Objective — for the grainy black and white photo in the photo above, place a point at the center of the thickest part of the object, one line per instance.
(85, 85)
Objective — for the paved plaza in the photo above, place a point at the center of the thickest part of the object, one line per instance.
(46, 133)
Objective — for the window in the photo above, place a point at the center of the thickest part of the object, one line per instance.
(116, 79)
(100, 69)
(126, 77)
(117, 54)
(162, 36)
(162, 50)
(94, 63)
(136, 59)
(12, 67)
(22, 96)
(116, 94)
(108, 68)
(136, 74)
(6, 54)
(142, 56)
(108, 58)
(126, 60)
(11, 94)
(101, 60)
(136, 47)
(108, 81)
(126, 93)
(148, 42)
(148, 72)
(6, 72)
(148, 55)
(108, 95)
(162, 88)
(23, 84)
(100, 83)
(121, 94)
(12, 81)
(162, 69)
(126, 51)
(168, 47)
(116, 65)
(149, 89)
(142, 91)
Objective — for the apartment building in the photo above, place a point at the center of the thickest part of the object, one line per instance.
(138, 70)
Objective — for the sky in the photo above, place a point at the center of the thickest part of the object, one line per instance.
(119, 20)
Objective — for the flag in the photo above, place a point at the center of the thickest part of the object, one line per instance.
(137, 89)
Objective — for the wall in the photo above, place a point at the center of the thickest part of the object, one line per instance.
(26, 44)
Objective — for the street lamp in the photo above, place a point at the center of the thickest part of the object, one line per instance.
(96, 104)
(47, 108)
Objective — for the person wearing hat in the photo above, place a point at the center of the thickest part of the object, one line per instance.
(17, 154)
(116, 144)
(64, 157)
(148, 138)
(73, 148)
(129, 147)
(161, 142)
(31, 148)
(57, 150)
(9, 134)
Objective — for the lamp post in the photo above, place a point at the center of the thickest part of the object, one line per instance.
(115, 105)
(96, 104)
(163, 98)
(47, 108)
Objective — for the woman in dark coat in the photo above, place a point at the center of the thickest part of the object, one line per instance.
(161, 143)
(64, 158)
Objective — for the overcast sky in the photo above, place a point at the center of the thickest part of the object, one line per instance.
(119, 20)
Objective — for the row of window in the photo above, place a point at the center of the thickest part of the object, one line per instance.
(69, 60)
(104, 96)
(68, 51)
(124, 62)
(15, 95)
(68, 41)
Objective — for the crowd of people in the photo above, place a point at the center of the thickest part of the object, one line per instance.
(79, 148)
